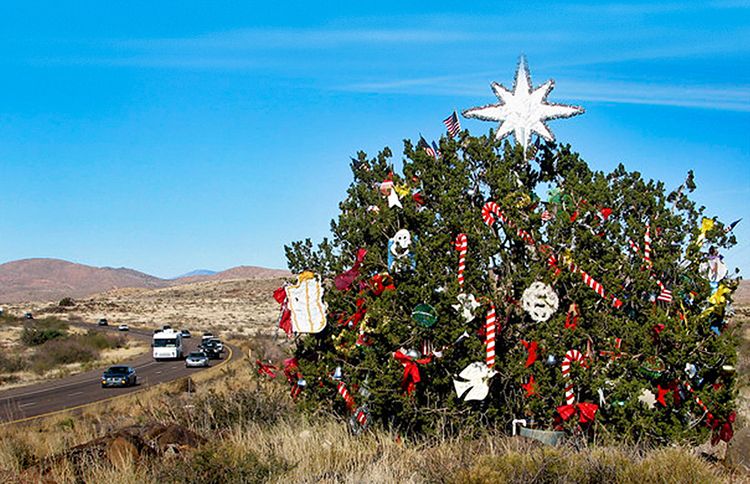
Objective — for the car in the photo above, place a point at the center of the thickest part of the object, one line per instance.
(207, 336)
(119, 376)
(211, 350)
(185, 333)
(102, 322)
(28, 316)
(196, 359)
(123, 327)
(217, 342)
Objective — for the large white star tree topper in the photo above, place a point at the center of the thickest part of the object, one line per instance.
(523, 111)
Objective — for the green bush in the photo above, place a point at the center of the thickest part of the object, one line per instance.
(67, 302)
(62, 352)
(12, 364)
(43, 330)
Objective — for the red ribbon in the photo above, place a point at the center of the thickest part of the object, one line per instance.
(352, 321)
(529, 386)
(661, 393)
(531, 348)
(571, 319)
(721, 430)
(266, 369)
(411, 370)
(344, 280)
(381, 283)
(285, 319)
(586, 411)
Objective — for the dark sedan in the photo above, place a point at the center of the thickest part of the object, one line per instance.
(119, 376)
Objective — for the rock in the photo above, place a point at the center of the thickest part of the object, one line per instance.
(738, 450)
(121, 450)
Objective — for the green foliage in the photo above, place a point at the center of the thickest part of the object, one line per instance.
(66, 302)
(79, 348)
(43, 330)
(500, 266)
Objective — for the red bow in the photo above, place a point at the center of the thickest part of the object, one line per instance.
(344, 280)
(266, 369)
(529, 386)
(381, 283)
(418, 199)
(586, 410)
(531, 348)
(352, 321)
(721, 430)
(411, 370)
(293, 376)
(662, 392)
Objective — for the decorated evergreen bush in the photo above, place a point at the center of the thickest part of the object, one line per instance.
(604, 296)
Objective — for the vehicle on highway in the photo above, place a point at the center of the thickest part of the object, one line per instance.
(185, 333)
(196, 359)
(206, 336)
(119, 376)
(123, 327)
(166, 327)
(28, 316)
(211, 350)
(167, 344)
(217, 342)
(102, 322)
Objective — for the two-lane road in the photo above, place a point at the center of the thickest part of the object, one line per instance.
(31, 401)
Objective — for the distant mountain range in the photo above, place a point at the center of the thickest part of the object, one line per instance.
(54, 279)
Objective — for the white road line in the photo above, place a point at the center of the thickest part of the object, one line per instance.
(158, 372)
(27, 404)
(74, 394)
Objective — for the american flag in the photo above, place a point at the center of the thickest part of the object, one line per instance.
(430, 150)
(665, 295)
(453, 124)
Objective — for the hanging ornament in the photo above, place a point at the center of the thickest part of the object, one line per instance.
(305, 300)
(523, 111)
(462, 246)
(425, 315)
(266, 369)
(410, 360)
(489, 335)
(570, 357)
(647, 398)
(285, 315)
(467, 306)
(661, 393)
(714, 269)
(474, 382)
(540, 301)
(571, 319)
(551, 360)
(360, 419)
(399, 251)
(653, 367)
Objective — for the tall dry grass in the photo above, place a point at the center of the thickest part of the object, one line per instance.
(255, 435)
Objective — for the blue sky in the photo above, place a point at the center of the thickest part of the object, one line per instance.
(191, 135)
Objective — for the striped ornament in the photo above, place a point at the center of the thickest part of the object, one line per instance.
(348, 398)
(570, 357)
(491, 212)
(647, 246)
(489, 330)
(462, 246)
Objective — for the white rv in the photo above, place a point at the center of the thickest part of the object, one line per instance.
(167, 345)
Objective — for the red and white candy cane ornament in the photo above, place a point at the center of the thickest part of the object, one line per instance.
(570, 357)
(462, 246)
(348, 398)
(491, 212)
(489, 331)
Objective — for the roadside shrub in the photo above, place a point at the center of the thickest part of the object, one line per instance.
(100, 341)
(43, 330)
(62, 352)
(67, 302)
(12, 364)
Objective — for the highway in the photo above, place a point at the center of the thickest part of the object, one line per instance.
(25, 403)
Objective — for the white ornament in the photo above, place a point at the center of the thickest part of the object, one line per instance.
(393, 200)
(401, 244)
(306, 304)
(648, 398)
(523, 111)
(714, 269)
(467, 306)
(474, 382)
(540, 301)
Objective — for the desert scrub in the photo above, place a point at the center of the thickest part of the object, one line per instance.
(12, 363)
(40, 331)
(73, 349)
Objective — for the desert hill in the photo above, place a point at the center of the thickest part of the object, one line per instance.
(53, 279)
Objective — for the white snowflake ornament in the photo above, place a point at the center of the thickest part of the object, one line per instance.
(524, 110)
(540, 301)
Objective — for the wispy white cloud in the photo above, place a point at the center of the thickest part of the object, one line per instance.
(725, 98)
